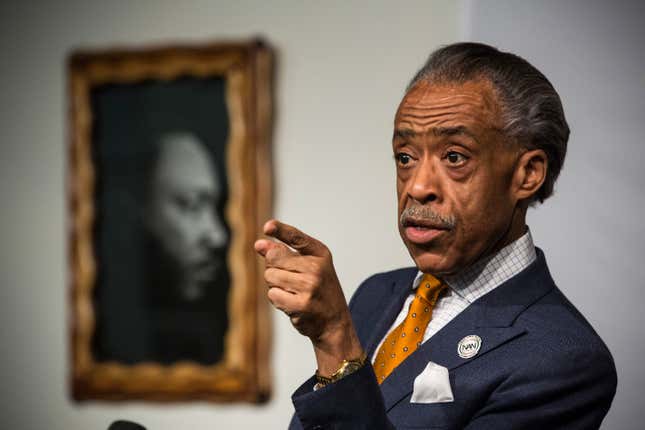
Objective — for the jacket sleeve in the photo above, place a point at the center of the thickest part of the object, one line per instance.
(354, 402)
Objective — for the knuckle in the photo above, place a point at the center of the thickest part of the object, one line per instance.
(312, 281)
(315, 265)
(270, 255)
(297, 239)
(271, 295)
(269, 275)
(305, 300)
(273, 254)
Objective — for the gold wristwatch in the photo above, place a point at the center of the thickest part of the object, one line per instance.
(347, 367)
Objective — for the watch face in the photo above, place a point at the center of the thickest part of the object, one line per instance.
(350, 368)
(347, 368)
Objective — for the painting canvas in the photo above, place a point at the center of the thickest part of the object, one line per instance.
(170, 180)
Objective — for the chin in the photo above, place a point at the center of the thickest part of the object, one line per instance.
(434, 266)
(434, 262)
(433, 258)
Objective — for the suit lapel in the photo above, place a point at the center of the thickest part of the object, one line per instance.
(491, 318)
(442, 349)
(401, 288)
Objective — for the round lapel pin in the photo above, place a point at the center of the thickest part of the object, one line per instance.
(469, 346)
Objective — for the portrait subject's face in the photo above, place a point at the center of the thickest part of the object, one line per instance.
(454, 174)
(181, 212)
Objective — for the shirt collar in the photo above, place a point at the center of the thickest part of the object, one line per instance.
(492, 271)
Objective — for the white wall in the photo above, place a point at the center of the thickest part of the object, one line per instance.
(342, 71)
(592, 230)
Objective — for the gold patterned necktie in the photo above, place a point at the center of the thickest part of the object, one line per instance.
(407, 336)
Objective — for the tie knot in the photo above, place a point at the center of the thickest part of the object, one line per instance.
(430, 288)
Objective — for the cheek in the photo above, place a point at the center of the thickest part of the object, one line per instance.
(473, 201)
(179, 226)
(483, 214)
(401, 195)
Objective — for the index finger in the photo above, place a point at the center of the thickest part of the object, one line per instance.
(301, 242)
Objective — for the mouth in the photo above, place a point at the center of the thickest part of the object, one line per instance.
(205, 271)
(422, 232)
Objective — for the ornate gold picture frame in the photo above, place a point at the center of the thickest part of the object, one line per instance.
(209, 109)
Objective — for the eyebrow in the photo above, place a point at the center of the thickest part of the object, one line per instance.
(452, 131)
(404, 133)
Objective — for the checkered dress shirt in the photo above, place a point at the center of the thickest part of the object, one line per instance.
(472, 283)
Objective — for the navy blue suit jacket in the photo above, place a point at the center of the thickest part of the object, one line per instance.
(540, 366)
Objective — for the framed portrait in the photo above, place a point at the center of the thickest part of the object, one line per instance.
(169, 183)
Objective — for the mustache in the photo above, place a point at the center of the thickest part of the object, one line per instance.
(424, 216)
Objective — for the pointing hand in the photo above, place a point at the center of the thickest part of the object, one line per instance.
(303, 284)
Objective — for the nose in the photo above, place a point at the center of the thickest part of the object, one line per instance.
(213, 233)
(425, 185)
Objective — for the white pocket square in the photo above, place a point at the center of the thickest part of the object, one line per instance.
(432, 385)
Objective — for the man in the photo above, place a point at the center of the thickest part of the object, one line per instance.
(188, 282)
(477, 335)
(181, 212)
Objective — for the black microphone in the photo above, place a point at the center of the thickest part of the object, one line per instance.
(125, 425)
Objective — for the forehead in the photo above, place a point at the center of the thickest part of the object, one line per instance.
(184, 164)
(427, 106)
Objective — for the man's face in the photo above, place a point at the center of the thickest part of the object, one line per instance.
(181, 211)
(454, 174)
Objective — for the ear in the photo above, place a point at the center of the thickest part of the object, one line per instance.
(530, 173)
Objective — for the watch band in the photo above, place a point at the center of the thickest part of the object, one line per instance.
(347, 367)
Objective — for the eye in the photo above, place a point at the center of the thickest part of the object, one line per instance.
(402, 158)
(186, 204)
(192, 204)
(456, 158)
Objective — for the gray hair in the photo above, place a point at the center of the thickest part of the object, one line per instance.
(532, 110)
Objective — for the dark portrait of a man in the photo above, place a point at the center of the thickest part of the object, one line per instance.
(185, 252)
(161, 235)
